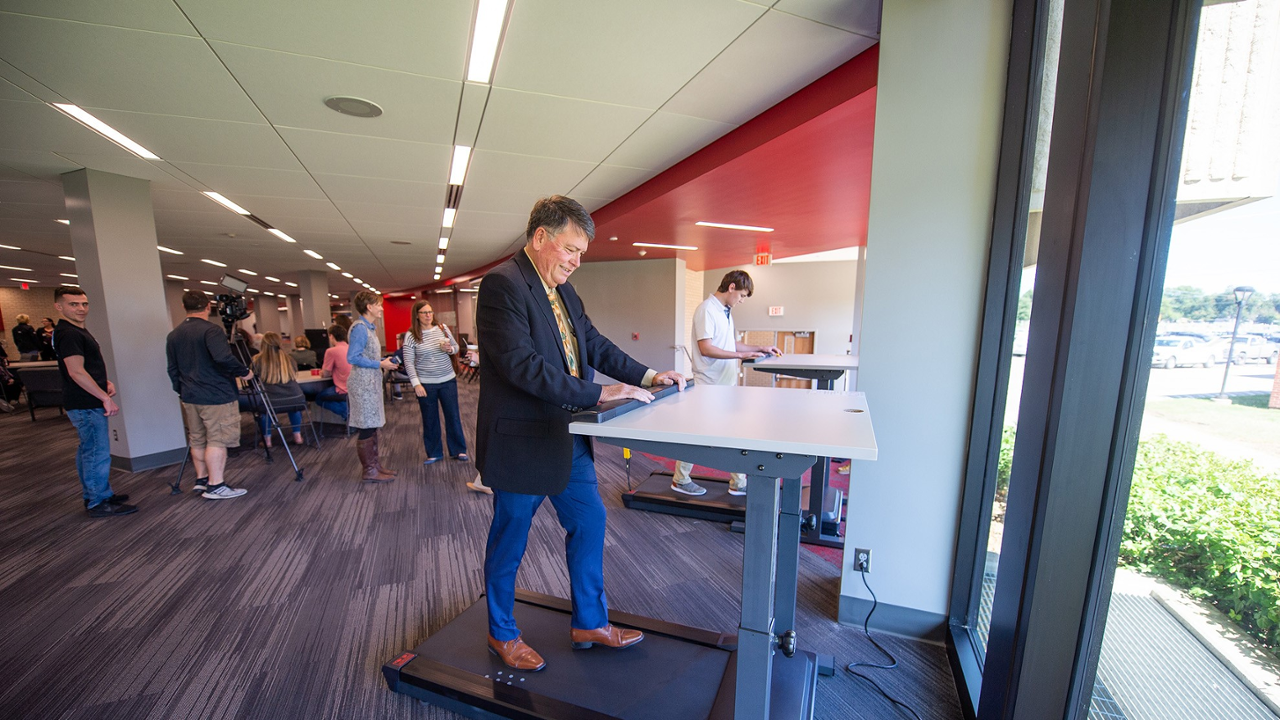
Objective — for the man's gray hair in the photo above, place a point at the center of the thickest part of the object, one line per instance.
(555, 213)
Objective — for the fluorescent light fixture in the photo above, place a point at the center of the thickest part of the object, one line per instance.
(439, 268)
(314, 254)
(226, 203)
(444, 243)
(207, 282)
(727, 226)
(280, 235)
(77, 113)
(18, 269)
(333, 266)
(24, 280)
(474, 290)
(449, 215)
(68, 275)
(248, 272)
(268, 292)
(68, 258)
(437, 277)
(347, 275)
(291, 284)
(253, 291)
(484, 39)
(72, 284)
(273, 279)
(206, 292)
(177, 277)
(10, 247)
(440, 258)
(358, 281)
(213, 262)
(64, 222)
(458, 170)
(669, 247)
(171, 251)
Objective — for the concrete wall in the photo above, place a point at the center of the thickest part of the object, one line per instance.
(637, 296)
(815, 296)
(938, 112)
(36, 302)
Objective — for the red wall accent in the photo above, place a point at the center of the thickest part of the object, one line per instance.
(395, 318)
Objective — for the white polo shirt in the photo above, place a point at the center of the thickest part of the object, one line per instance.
(712, 321)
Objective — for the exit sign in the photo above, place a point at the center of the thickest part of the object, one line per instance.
(764, 258)
(775, 311)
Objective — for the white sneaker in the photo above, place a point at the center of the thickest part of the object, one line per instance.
(223, 492)
(738, 491)
(689, 488)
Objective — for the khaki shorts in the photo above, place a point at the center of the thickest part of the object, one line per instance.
(213, 425)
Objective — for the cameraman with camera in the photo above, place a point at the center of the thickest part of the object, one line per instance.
(203, 371)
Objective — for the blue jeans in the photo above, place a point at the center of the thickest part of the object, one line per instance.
(582, 515)
(93, 457)
(295, 422)
(333, 400)
(446, 393)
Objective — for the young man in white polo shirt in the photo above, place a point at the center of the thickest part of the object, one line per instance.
(716, 352)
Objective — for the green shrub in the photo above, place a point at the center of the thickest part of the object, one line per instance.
(1211, 526)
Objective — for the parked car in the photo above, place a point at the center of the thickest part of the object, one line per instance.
(1176, 350)
(1256, 347)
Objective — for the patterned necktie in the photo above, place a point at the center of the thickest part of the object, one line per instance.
(566, 338)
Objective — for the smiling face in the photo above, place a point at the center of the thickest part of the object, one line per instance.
(556, 257)
(74, 308)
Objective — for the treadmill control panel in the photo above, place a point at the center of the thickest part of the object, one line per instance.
(612, 409)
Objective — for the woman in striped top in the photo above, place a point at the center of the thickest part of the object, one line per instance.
(427, 349)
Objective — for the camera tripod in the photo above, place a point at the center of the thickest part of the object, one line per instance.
(261, 408)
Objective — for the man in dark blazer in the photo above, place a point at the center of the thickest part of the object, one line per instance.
(538, 355)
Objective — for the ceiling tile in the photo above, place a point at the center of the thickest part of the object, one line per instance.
(859, 16)
(504, 182)
(9, 91)
(665, 139)
(215, 142)
(556, 127)
(419, 215)
(40, 193)
(779, 55)
(233, 181)
(127, 165)
(35, 164)
(179, 199)
(160, 16)
(399, 231)
(34, 126)
(290, 90)
(628, 53)
(106, 67)
(612, 181)
(344, 154)
(269, 208)
(346, 188)
(487, 227)
(427, 38)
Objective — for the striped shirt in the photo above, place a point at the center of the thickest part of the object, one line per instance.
(424, 362)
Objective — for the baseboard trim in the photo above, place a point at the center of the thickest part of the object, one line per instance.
(149, 462)
(894, 620)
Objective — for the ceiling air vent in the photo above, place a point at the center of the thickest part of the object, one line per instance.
(356, 107)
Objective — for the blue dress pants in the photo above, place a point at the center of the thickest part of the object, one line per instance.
(582, 515)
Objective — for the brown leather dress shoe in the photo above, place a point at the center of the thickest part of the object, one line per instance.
(608, 636)
(516, 654)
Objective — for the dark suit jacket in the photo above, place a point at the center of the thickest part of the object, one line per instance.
(527, 395)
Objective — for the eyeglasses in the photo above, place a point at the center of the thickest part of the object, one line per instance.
(426, 312)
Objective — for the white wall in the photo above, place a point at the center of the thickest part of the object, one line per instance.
(636, 296)
(938, 111)
(815, 296)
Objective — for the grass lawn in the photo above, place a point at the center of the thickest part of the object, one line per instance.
(1247, 421)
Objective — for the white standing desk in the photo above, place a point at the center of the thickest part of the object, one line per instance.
(826, 369)
(767, 433)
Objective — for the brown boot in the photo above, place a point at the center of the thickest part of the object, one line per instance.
(609, 636)
(516, 654)
(367, 451)
(378, 461)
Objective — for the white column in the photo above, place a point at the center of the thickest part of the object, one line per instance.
(313, 286)
(295, 315)
(267, 310)
(173, 297)
(113, 237)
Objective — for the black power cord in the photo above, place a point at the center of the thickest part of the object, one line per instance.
(893, 662)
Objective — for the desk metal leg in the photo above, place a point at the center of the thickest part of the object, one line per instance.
(784, 604)
(755, 632)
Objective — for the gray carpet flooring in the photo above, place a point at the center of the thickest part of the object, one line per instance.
(286, 602)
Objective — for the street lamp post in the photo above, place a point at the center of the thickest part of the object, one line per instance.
(1242, 296)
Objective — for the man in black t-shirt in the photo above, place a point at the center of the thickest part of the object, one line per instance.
(87, 396)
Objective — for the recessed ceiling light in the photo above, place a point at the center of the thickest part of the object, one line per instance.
(248, 272)
(24, 280)
(226, 203)
(268, 292)
(613, 238)
(207, 282)
(728, 226)
(19, 269)
(444, 243)
(272, 279)
(449, 215)
(10, 247)
(354, 106)
(333, 266)
(68, 275)
(358, 281)
(347, 275)
(280, 235)
(177, 277)
(253, 291)
(314, 254)
(171, 251)
(64, 222)
(669, 247)
(437, 277)
(484, 39)
(291, 284)
(213, 262)
(458, 170)
(439, 268)
(440, 258)
(105, 130)
(67, 258)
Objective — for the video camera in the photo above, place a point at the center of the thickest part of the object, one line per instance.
(232, 306)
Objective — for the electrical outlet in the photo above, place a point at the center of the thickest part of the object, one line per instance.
(861, 560)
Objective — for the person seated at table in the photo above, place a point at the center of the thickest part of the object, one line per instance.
(334, 399)
(303, 356)
(279, 376)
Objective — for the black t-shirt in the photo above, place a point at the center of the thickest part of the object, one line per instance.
(69, 340)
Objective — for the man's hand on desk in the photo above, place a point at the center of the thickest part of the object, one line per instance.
(670, 377)
(619, 391)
